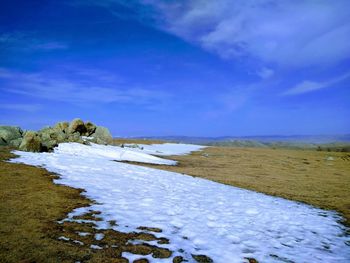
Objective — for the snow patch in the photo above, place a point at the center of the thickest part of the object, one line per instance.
(198, 216)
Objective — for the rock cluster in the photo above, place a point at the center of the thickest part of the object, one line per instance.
(49, 137)
(11, 136)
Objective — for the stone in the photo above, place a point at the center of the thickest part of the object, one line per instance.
(15, 143)
(202, 258)
(9, 134)
(51, 137)
(178, 259)
(102, 135)
(90, 128)
(31, 142)
(62, 126)
(77, 125)
(75, 137)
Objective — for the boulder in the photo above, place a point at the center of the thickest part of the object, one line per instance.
(10, 135)
(16, 143)
(102, 135)
(90, 128)
(77, 125)
(51, 137)
(31, 142)
(48, 138)
(62, 126)
(75, 137)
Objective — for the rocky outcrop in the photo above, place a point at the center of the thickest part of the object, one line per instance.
(11, 136)
(31, 142)
(49, 137)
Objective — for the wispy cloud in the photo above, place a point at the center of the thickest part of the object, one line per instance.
(284, 32)
(78, 90)
(287, 33)
(309, 86)
(29, 41)
(20, 107)
(265, 73)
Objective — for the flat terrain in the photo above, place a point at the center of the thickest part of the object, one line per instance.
(30, 206)
(321, 179)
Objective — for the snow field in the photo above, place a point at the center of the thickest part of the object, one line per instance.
(226, 223)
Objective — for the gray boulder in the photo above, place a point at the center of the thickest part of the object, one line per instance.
(10, 135)
(77, 125)
(102, 135)
(15, 143)
(75, 137)
(62, 126)
(31, 142)
(51, 137)
(90, 128)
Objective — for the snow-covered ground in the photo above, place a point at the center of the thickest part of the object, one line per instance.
(165, 149)
(199, 216)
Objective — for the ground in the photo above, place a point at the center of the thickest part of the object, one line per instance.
(318, 178)
(31, 204)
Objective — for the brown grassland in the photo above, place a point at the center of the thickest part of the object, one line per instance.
(31, 204)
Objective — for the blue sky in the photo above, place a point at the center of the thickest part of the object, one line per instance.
(196, 67)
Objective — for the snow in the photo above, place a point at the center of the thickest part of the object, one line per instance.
(226, 223)
(99, 236)
(165, 149)
(109, 152)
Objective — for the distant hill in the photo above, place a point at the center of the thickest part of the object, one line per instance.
(316, 142)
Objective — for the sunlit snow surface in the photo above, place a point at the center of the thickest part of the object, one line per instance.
(199, 216)
(166, 148)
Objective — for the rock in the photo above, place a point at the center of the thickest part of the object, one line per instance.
(31, 142)
(90, 128)
(51, 137)
(16, 143)
(52, 134)
(178, 259)
(77, 125)
(102, 135)
(62, 126)
(10, 135)
(75, 137)
(202, 258)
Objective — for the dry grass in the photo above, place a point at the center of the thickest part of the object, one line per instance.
(120, 141)
(30, 206)
(305, 176)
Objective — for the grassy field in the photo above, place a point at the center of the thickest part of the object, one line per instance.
(318, 178)
(30, 206)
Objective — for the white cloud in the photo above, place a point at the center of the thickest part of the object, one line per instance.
(288, 33)
(309, 86)
(265, 73)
